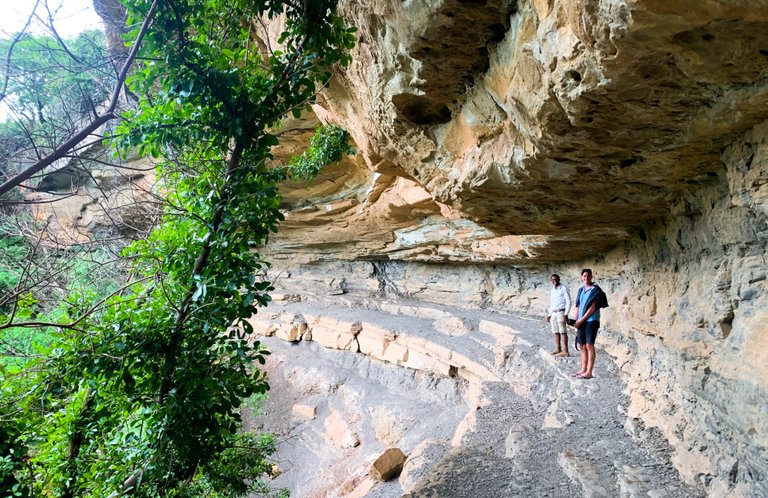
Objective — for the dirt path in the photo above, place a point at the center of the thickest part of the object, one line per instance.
(531, 430)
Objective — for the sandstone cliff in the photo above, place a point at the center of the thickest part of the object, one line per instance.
(501, 141)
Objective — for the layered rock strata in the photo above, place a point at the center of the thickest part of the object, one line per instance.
(686, 321)
(513, 422)
(629, 137)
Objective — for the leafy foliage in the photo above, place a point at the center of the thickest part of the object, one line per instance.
(142, 397)
(13, 250)
(245, 458)
(46, 76)
(327, 146)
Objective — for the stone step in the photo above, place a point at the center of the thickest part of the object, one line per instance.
(414, 337)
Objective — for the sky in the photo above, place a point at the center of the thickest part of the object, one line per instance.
(70, 16)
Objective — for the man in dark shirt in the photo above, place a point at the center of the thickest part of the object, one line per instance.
(589, 299)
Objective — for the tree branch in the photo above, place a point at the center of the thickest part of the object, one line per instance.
(17, 37)
(108, 115)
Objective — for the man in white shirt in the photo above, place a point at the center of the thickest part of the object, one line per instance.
(559, 305)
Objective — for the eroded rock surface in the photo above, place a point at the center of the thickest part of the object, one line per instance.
(625, 136)
(530, 430)
(543, 129)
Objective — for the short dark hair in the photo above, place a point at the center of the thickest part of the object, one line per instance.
(555, 275)
(586, 270)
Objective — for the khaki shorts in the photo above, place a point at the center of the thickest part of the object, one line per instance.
(557, 322)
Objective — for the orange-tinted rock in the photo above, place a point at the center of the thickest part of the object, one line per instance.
(388, 465)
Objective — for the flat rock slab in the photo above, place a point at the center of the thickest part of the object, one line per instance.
(536, 431)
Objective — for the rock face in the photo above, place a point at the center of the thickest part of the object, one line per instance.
(502, 141)
(547, 130)
(77, 201)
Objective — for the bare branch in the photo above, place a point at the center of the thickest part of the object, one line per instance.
(73, 325)
(108, 115)
(59, 40)
(17, 37)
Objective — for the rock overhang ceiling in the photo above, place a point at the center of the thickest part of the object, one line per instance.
(526, 131)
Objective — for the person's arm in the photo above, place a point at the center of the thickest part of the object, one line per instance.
(576, 304)
(587, 314)
(549, 309)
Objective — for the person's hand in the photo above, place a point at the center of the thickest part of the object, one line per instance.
(578, 324)
(548, 318)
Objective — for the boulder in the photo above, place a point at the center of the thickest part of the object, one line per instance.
(388, 465)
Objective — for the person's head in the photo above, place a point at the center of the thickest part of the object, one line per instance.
(555, 279)
(586, 276)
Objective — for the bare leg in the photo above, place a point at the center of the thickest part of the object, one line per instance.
(583, 360)
(557, 344)
(590, 350)
(565, 343)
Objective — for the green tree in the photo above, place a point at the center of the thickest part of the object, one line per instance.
(50, 84)
(49, 78)
(138, 392)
